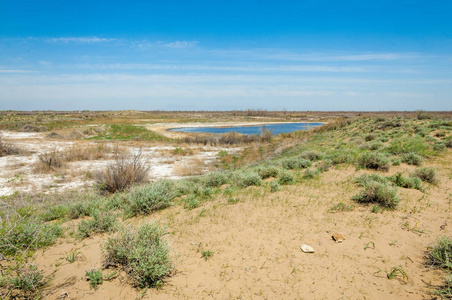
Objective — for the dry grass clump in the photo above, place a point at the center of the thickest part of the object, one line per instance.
(126, 170)
(8, 149)
(33, 128)
(77, 153)
(230, 138)
(193, 166)
(49, 161)
(427, 174)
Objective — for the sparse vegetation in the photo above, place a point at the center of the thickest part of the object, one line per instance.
(379, 193)
(427, 174)
(318, 164)
(95, 278)
(142, 252)
(125, 171)
(376, 161)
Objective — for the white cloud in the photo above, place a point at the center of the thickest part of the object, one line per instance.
(81, 40)
(6, 71)
(145, 44)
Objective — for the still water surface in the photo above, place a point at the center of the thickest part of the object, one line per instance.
(254, 129)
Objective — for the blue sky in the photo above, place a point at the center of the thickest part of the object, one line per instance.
(223, 55)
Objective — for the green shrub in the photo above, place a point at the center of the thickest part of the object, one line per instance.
(54, 212)
(185, 187)
(310, 173)
(191, 202)
(439, 146)
(396, 161)
(26, 278)
(248, 178)
(427, 174)
(286, 178)
(295, 163)
(408, 144)
(79, 209)
(370, 137)
(94, 277)
(267, 171)
(412, 159)
(364, 179)
(348, 156)
(325, 165)
(151, 197)
(441, 254)
(100, 223)
(372, 160)
(406, 182)
(448, 143)
(215, 179)
(312, 155)
(379, 193)
(274, 186)
(142, 253)
(27, 232)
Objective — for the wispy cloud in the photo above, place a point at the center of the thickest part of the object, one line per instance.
(81, 40)
(145, 44)
(8, 71)
(285, 55)
(212, 67)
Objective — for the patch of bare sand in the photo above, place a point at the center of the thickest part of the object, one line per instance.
(256, 245)
(17, 171)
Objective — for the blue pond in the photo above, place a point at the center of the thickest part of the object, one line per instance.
(255, 129)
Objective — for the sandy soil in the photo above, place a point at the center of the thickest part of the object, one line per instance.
(256, 245)
(17, 174)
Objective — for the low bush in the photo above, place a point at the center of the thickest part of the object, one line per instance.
(248, 178)
(406, 182)
(142, 253)
(372, 160)
(295, 163)
(408, 144)
(49, 161)
(267, 171)
(274, 186)
(324, 165)
(8, 149)
(379, 193)
(286, 178)
(191, 202)
(364, 179)
(312, 155)
(21, 280)
(125, 171)
(151, 197)
(441, 254)
(396, 161)
(343, 156)
(310, 173)
(412, 159)
(427, 174)
(215, 179)
(27, 233)
(100, 223)
(439, 146)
